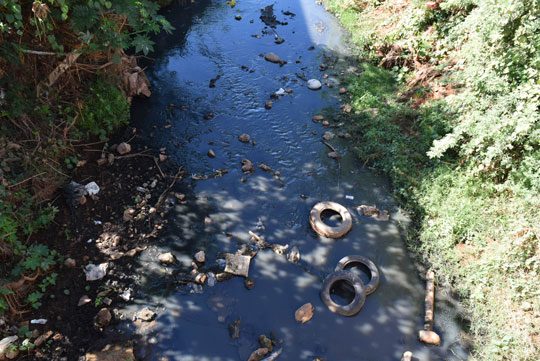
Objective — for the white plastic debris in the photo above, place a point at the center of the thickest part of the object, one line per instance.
(349, 197)
(6, 342)
(95, 272)
(90, 240)
(281, 91)
(92, 188)
(39, 321)
(211, 279)
(126, 295)
(97, 222)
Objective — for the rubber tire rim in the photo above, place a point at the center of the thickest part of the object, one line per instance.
(375, 274)
(359, 293)
(325, 230)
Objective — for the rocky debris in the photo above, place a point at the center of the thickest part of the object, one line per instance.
(107, 301)
(146, 315)
(347, 108)
(325, 123)
(123, 148)
(5, 343)
(249, 283)
(237, 265)
(334, 155)
(265, 167)
(244, 138)
(221, 277)
(374, 212)
(273, 58)
(163, 158)
(247, 166)
(265, 342)
(279, 41)
(314, 84)
(12, 354)
(294, 255)
(317, 118)
(328, 135)
(75, 194)
(258, 354)
(208, 116)
(234, 328)
(166, 258)
(342, 90)
(70, 263)
(84, 300)
(102, 318)
(268, 104)
(304, 313)
(345, 135)
(200, 257)
(128, 215)
(238, 17)
(95, 272)
(41, 339)
(112, 353)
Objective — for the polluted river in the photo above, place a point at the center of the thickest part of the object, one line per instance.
(211, 84)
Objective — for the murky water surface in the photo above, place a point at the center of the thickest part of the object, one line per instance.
(209, 43)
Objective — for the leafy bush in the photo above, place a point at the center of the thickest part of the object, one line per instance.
(97, 25)
(105, 108)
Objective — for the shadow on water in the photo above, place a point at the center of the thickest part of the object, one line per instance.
(188, 117)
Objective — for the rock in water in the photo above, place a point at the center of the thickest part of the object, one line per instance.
(314, 84)
(304, 313)
(166, 258)
(244, 138)
(273, 58)
(200, 257)
(258, 354)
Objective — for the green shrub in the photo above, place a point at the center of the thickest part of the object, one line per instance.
(105, 108)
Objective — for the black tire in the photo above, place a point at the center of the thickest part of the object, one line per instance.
(371, 266)
(359, 293)
(325, 230)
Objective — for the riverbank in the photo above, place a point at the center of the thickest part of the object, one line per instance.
(430, 114)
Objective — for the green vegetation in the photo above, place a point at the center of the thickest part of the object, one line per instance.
(47, 109)
(450, 110)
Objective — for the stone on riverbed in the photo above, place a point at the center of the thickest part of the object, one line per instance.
(314, 84)
(166, 258)
(200, 257)
(304, 313)
(273, 58)
(244, 138)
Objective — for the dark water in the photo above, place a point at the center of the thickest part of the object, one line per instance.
(190, 326)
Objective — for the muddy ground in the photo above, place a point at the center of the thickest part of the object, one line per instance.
(96, 232)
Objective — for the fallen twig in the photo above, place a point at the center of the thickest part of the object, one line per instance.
(159, 168)
(164, 194)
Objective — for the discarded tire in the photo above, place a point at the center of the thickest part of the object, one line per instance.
(359, 293)
(373, 270)
(325, 230)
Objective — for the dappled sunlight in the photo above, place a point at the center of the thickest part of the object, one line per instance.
(197, 322)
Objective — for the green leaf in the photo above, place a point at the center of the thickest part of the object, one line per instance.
(143, 43)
